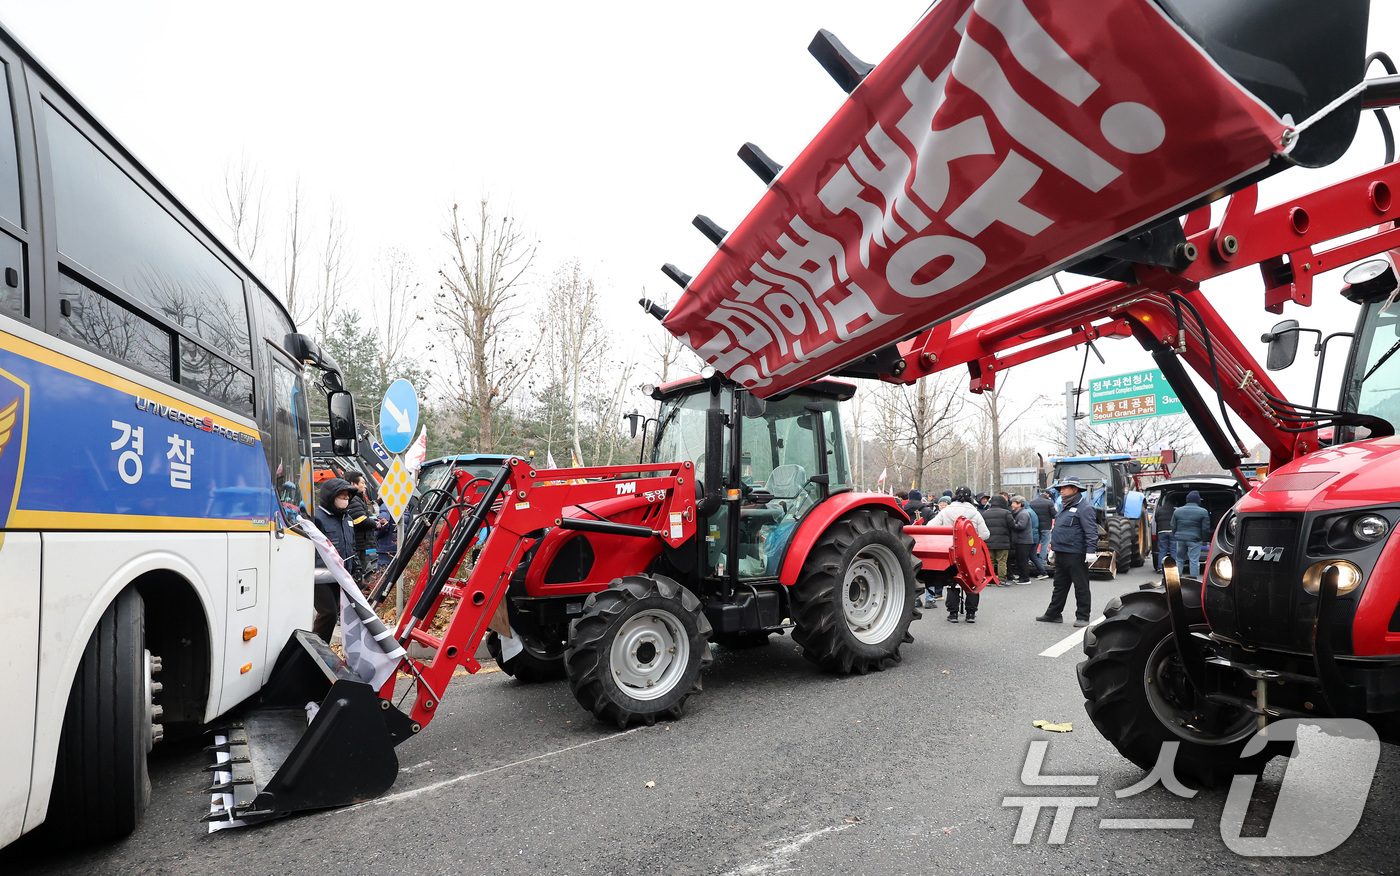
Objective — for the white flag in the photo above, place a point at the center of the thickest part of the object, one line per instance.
(549, 459)
(370, 648)
(884, 473)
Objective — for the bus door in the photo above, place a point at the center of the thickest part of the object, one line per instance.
(289, 589)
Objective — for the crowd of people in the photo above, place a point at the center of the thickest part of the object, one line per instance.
(1020, 534)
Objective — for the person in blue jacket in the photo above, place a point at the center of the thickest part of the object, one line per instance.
(1190, 529)
(1075, 540)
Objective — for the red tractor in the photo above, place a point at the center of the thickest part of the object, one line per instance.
(1000, 143)
(618, 578)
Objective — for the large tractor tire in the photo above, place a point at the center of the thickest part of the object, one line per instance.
(638, 650)
(854, 600)
(101, 786)
(1137, 693)
(1121, 538)
(1139, 537)
(537, 661)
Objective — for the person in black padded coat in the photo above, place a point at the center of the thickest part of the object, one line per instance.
(999, 522)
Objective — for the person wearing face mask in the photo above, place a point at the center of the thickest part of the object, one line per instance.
(333, 519)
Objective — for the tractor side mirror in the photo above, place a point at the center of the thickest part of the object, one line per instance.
(754, 407)
(341, 407)
(1283, 344)
(632, 420)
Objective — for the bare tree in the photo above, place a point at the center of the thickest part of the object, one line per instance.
(489, 257)
(294, 243)
(994, 407)
(334, 271)
(242, 206)
(668, 351)
(578, 339)
(929, 416)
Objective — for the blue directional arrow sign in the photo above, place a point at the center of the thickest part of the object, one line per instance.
(398, 416)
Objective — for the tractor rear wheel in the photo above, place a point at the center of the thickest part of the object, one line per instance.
(1122, 538)
(1137, 693)
(638, 650)
(1135, 559)
(854, 601)
(536, 661)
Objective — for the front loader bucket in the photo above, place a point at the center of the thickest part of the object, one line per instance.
(318, 738)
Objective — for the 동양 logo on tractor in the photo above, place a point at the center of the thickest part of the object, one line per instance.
(1258, 554)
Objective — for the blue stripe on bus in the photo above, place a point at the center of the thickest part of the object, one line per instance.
(90, 446)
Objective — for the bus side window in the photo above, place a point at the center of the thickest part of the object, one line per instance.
(14, 299)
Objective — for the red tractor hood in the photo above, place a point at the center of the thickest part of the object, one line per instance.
(1349, 476)
(998, 142)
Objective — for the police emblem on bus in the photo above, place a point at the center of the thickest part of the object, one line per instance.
(1260, 554)
(13, 395)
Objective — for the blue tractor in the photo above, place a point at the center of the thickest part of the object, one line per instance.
(1110, 482)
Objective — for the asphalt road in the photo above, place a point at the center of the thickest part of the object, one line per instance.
(776, 767)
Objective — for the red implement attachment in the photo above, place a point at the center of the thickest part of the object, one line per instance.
(957, 549)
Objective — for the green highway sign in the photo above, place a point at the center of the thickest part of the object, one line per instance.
(1132, 396)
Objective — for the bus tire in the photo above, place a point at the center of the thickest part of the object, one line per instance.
(101, 786)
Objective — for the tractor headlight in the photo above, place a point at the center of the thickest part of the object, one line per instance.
(1370, 528)
(1222, 571)
(1231, 529)
(1349, 576)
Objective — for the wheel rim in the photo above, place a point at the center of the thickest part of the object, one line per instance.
(650, 654)
(872, 596)
(1177, 706)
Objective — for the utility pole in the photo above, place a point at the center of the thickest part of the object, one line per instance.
(1071, 444)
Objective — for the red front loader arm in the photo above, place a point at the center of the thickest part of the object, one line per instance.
(520, 501)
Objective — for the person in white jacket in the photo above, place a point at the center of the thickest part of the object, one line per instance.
(961, 506)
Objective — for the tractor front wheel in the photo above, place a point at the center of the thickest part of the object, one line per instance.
(536, 661)
(854, 601)
(1139, 697)
(638, 650)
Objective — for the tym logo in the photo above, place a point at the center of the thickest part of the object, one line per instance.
(1259, 554)
(627, 488)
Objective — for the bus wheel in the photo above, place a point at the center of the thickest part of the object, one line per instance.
(100, 785)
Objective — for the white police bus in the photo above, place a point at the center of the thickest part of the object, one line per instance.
(154, 448)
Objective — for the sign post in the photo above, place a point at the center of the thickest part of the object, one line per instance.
(1131, 397)
(398, 421)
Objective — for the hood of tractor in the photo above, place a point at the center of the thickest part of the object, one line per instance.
(995, 145)
(1337, 478)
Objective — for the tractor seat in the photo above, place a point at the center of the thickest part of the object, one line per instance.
(787, 484)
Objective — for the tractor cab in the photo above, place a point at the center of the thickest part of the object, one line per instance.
(1369, 403)
(760, 466)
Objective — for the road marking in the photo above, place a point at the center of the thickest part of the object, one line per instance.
(1068, 642)
(408, 795)
(777, 861)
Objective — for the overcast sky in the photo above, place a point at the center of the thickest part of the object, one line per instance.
(604, 126)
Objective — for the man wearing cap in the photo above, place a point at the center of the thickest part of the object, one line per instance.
(1190, 528)
(1075, 541)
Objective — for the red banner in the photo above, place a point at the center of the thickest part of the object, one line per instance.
(997, 142)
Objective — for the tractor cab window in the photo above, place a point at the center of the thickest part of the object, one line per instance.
(681, 435)
(778, 458)
(1375, 383)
